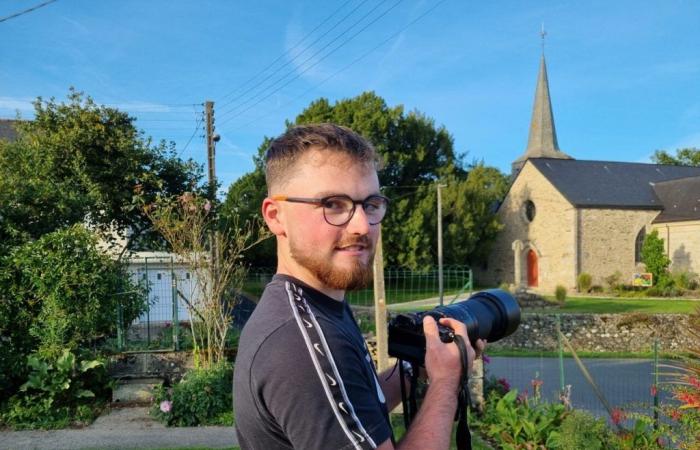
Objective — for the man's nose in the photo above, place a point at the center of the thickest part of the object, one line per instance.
(359, 223)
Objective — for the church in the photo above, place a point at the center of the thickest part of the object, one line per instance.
(564, 216)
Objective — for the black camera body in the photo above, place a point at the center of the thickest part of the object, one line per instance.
(491, 315)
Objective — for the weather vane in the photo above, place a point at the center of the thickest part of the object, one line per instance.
(542, 35)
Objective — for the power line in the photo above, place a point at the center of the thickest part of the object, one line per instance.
(28, 10)
(313, 65)
(355, 61)
(196, 128)
(288, 52)
(341, 34)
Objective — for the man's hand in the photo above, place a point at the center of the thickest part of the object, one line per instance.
(443, 361)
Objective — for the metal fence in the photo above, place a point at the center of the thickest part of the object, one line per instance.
(170, 286)
(625, 384)
(403, 287)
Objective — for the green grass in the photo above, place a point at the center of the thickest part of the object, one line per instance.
(600, 305)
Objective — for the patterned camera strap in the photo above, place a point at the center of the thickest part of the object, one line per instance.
(327, 370)
(464, 438)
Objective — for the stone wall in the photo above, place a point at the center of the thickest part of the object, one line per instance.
(551, 234)
(603, 332)
(682, 240)
(607, 241)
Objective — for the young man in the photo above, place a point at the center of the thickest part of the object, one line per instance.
(303, 376)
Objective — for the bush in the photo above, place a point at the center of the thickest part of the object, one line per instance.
(58, 392)
(583, 282)
(685, 280)
(202, 397)
(560, 293)
(614, 281)
(59, 292)
(514, 421)
(654, 258)
(580, 430)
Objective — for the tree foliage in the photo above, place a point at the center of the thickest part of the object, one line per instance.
(684, 157)
(59, 292)
(416, 155)
(79, 161)
(654, 257)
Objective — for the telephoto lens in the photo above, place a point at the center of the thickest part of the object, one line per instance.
(491, 315)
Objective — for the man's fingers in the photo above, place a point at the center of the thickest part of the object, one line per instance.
(456, 325)
(430, 329)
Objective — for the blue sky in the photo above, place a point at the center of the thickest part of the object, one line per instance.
(624, 75)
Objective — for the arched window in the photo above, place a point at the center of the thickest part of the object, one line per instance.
(638, 242)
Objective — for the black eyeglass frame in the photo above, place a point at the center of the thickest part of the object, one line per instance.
(320, 202)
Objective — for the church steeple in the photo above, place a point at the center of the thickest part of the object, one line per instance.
(542, 142)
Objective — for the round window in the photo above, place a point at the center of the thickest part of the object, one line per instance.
(529, 210)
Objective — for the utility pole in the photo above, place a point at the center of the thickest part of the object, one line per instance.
(439, 243)
(211, 148)
(212, 139)
(380, 307)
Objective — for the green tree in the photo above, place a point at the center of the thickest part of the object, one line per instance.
(654, 257)
(77, 162)
(416, 154)
(59, 292)
(684, 157)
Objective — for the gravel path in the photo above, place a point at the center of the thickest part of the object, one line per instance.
(122, 428)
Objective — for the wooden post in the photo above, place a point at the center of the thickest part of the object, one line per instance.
(380, 308)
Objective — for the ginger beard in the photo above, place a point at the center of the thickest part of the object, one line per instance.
(357, 276)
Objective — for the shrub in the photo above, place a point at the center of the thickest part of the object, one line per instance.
(583, 282)
(560, 293)
(59, 292)
(613, 281)
(504, 287)
(514, 421)
(580, 430)
(58, 392)
(202, 397)
(654, 257)
(685, 280)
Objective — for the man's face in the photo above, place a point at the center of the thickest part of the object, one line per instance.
(334, 257)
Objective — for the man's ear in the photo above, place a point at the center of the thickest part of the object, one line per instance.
(273, 217)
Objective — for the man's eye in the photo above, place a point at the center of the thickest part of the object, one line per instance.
(335, 204)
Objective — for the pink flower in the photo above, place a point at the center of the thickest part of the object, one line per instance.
(207, 206)
(166, 406)
(504, 383)
(485, 358)
(653, 390)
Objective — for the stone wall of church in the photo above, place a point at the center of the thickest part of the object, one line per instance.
(607, 241)
(682, 240)
(551, 234)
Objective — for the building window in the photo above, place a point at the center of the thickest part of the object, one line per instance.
(638, 243)
(529, 211)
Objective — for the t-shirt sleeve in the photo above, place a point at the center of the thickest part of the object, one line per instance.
(317, 395)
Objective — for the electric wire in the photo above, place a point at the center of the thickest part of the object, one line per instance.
(28, 10)
(196, 128)
(299, 74)
(289, 52)
(291, 72)
(355, 61)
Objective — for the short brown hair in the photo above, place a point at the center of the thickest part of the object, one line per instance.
(286, 149)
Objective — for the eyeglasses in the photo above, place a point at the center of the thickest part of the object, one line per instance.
(339, 209)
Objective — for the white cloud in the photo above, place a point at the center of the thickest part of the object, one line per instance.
(21, 104)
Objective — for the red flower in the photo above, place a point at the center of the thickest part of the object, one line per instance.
(653, 390)
(691, 400)
(676, 415)
(617, 416)
(694, 382)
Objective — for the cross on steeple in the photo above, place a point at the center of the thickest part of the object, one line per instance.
(542, 35)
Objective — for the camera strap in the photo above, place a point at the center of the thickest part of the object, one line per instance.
(464, 439)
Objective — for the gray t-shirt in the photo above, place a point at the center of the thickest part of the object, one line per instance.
(303, 377)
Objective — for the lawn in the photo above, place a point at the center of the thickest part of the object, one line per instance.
(599, 305)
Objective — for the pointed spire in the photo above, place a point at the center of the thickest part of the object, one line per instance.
(543, 135)
(542, 142)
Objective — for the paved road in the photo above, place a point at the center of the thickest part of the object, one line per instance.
(626, 383)
(123, 428)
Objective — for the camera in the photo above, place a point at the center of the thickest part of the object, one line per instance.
(491, 314)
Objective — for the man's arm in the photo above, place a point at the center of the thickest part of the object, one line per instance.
(432, 426)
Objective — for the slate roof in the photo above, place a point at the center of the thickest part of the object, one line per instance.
(681, 199)
(7, 129)
(599, 184)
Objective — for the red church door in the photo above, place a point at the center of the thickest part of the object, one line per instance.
(532, 271)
